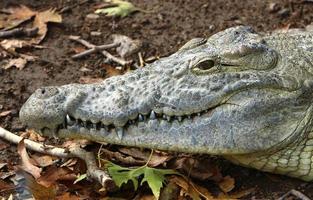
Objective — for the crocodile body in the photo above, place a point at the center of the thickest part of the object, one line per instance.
(238, 94)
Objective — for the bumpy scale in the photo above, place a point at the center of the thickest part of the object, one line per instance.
(238, 94)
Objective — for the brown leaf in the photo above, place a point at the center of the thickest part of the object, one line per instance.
(41, 20)
(19, 63)
(14, 44)
(34, 136)
(4, 186)
(37, 190)
(227, 184)
(111, 71)
(53, 174)
(27, 164)
(43, 160)
(87, 80)
(158, 158)
(76, 143)
(5, 113)
(18, 15)
(68, 196)
(198, 168)
(236, 195)
(191, 189)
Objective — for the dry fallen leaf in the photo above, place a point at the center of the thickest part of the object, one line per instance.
(37, 190)
(17, 15)
(41, 20)
(5, 113)
(19, 63)
(43, 160)
(198, 168)
(13, 44)
(191, 189)
(68, 196)
(227, 184)
(53, 174)
(111, 71)
(27, 164)
(158, 158)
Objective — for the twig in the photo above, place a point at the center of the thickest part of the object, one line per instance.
(94, 49)
(104, 52)
(29, 32)
(92, 170)
(141, 61)
(295, 193)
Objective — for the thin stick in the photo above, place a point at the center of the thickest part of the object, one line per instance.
(92, 170)
(104, 52)
(295, 193)
(29, 32)
(94, 49)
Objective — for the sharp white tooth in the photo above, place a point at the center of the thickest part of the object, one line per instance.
(85, 124)
(94, 126)
(164, 116)
(198, 114)
(189, 117)
(152, 115)
(140, 117)
(180, 118)
(120, 132)
(168, 118)
(69, 121)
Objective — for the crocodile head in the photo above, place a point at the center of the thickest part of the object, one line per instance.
(237, 92)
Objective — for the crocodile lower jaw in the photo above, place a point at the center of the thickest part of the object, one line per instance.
(78, 125)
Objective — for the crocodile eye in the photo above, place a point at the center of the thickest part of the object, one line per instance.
(203, 66)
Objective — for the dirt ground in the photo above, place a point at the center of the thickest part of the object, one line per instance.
(162, 31)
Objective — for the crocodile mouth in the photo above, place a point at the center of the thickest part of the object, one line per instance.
(71, 122)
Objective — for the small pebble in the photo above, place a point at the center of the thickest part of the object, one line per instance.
(92, 16)
(95, 33)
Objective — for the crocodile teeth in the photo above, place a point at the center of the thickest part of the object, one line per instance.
(152, 115)
(120, 132)
(94, 126)
(180, 118)
(140, 117)
(85, 124)
(69, 121)
(168, 118)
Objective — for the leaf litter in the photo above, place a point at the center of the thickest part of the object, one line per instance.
(18, 15)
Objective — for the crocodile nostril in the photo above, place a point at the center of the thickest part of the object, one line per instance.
(43, 91)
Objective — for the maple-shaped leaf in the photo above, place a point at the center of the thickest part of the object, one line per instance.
(119, 8)
(154, 177)
(41, 20)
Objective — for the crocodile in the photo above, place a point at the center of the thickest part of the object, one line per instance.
(240, 94)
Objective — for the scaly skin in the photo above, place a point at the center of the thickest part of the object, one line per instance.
(239, 94)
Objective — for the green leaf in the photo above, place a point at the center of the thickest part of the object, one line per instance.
(80, 178)
(121, 175)
(119, 8)
(154, 177)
